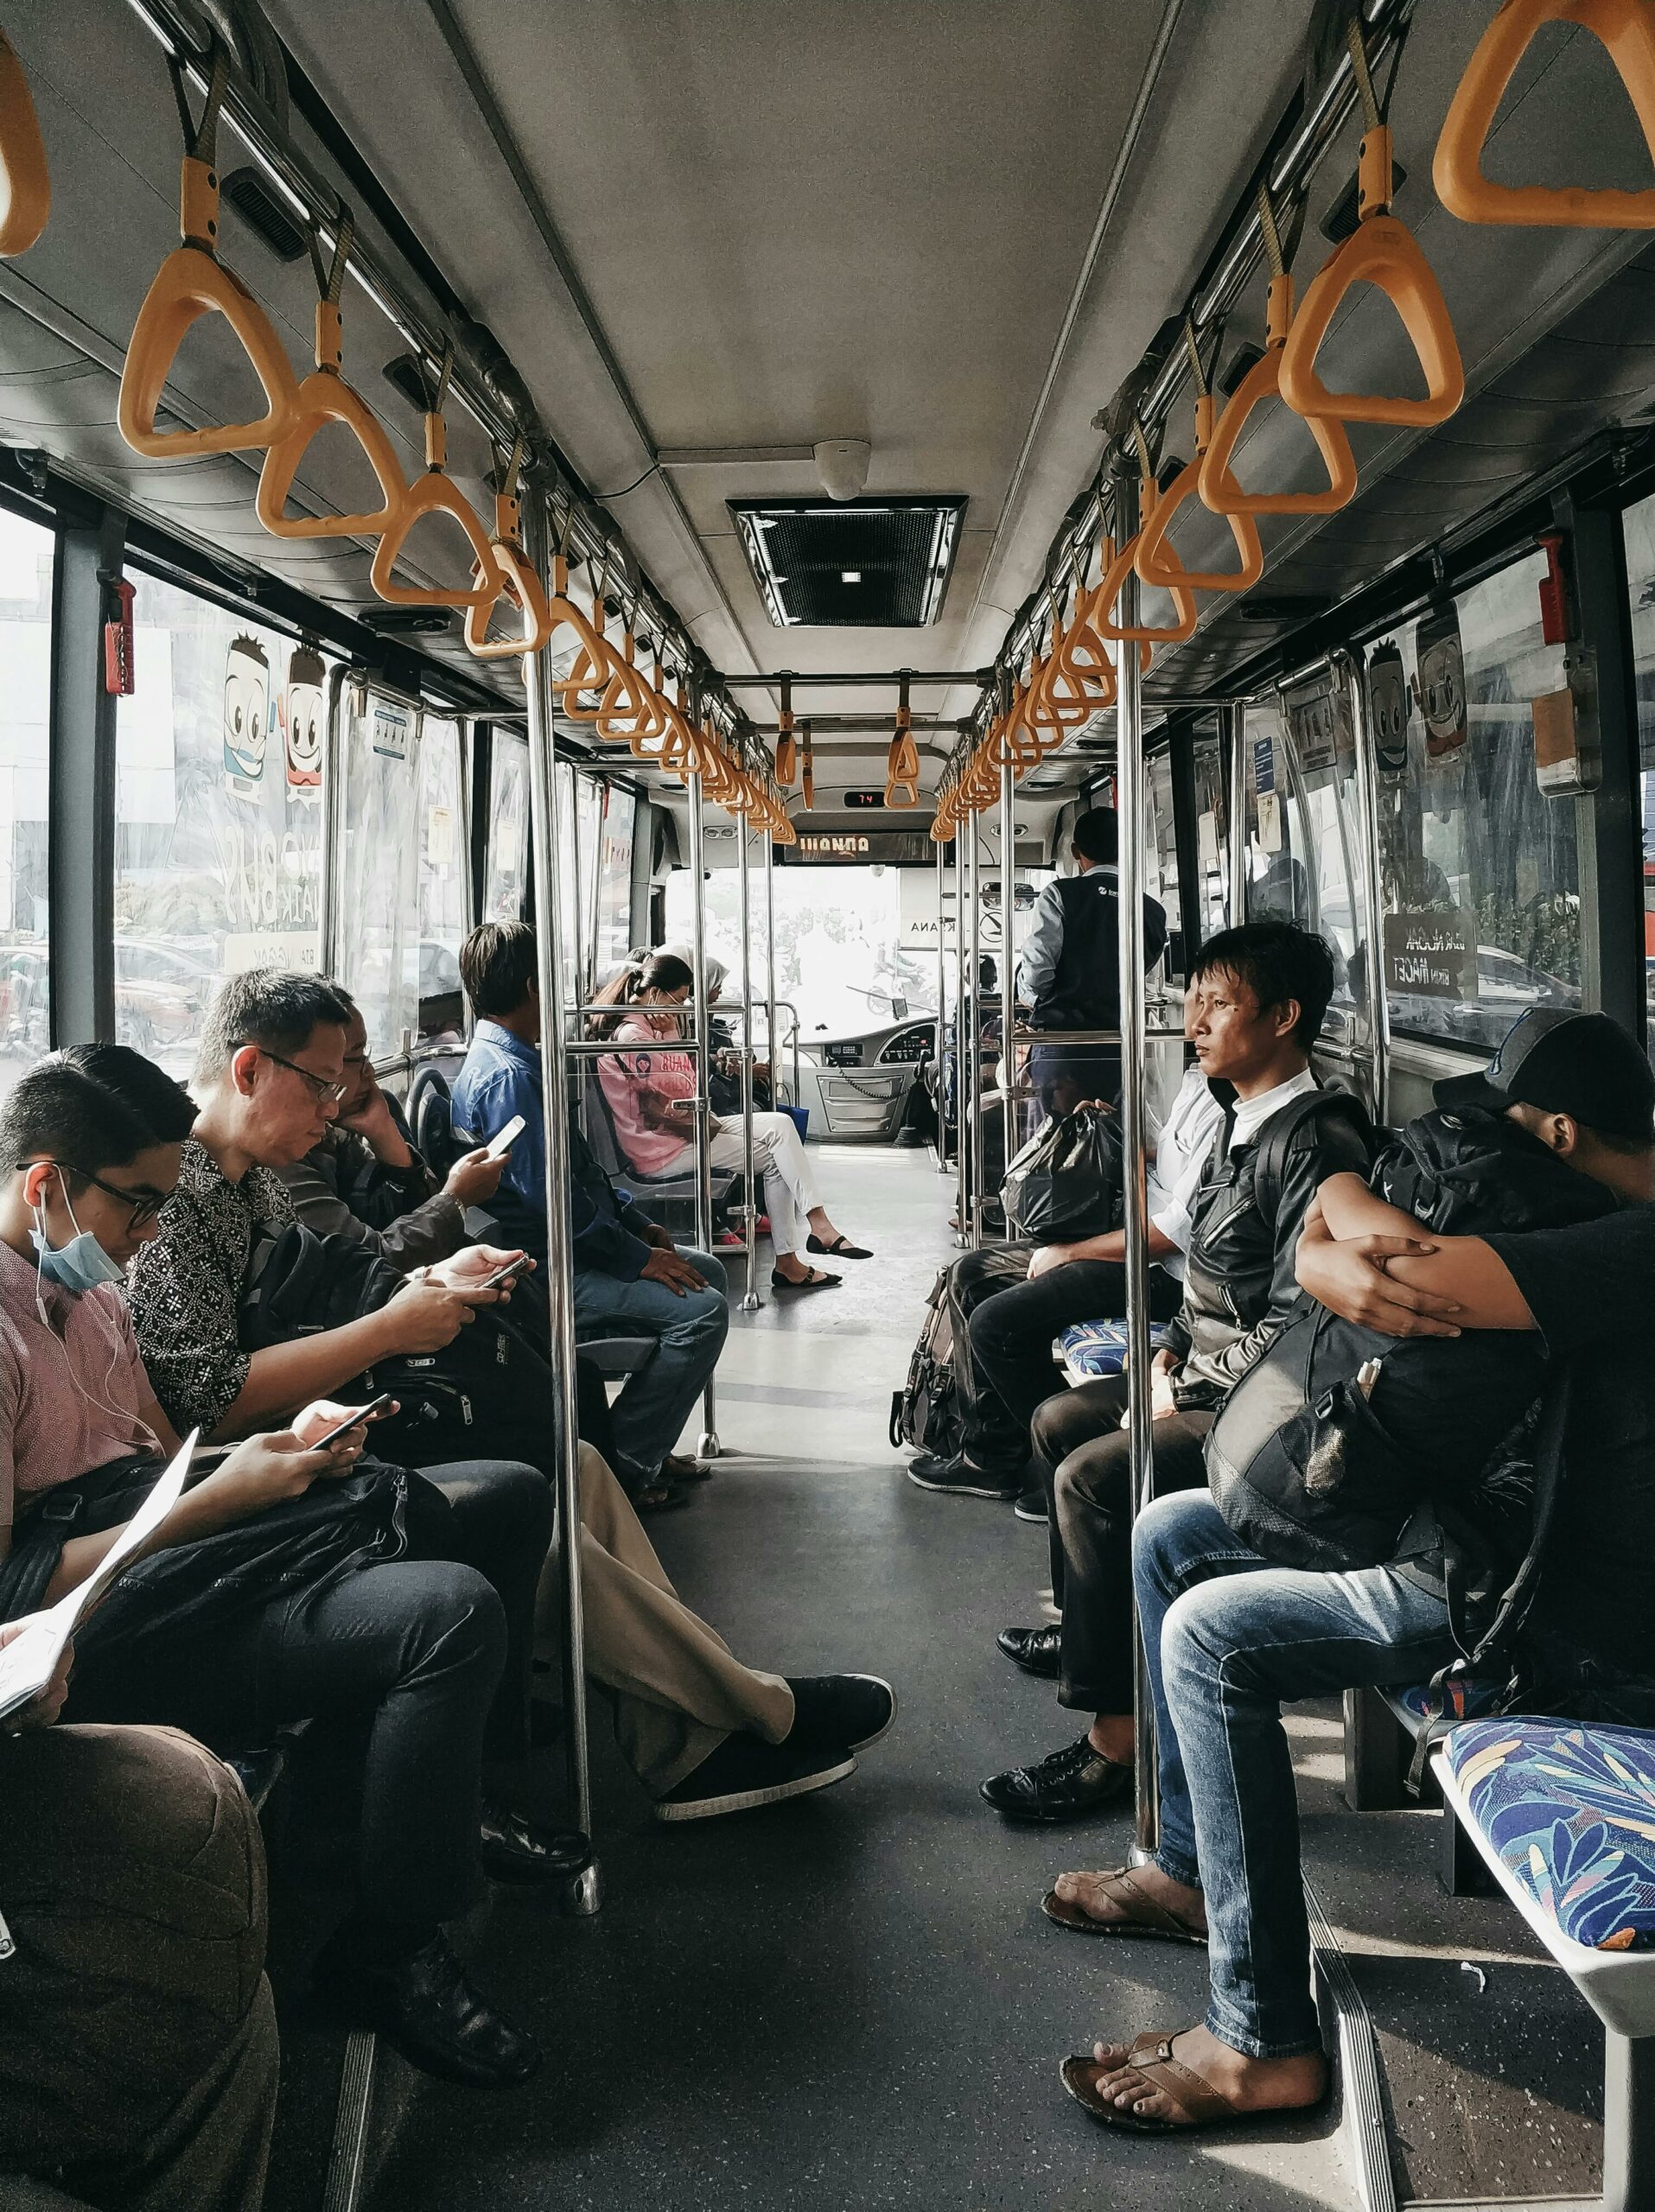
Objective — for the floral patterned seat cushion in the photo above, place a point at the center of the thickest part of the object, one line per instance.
(1097, 1348)
(1571, 1812)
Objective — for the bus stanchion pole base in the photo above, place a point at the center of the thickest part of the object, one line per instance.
(708, 1448)
(583, 1893)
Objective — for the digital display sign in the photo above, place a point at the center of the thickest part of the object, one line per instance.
(859, 849)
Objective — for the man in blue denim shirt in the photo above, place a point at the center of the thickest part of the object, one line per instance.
(627, 1271)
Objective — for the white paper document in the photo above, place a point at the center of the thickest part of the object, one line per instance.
(29, 1660)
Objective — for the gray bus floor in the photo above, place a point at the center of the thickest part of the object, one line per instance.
(853, 2000)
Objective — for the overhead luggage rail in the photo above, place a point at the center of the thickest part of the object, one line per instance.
(25, 182)
(1626, 29)
(1383, 252)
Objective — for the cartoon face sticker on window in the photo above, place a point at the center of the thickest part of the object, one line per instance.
(304, 710)
(246, 716)
(1388, 709)
(1441, 684)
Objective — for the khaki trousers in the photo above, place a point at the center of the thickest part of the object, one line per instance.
(676, 1688)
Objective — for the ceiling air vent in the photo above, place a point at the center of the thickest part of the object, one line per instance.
(406, 376)
(409, 622)
(881, 565)
(272, 223)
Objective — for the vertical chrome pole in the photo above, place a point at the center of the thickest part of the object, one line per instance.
(979, 1168)
(962, 1143)
(1008, 946)
(1130, 790)
(1348, 669)
(750, 1299)
(584, 1894)
(770, 1052)
(942, 1007)
(708, 1446)
(1233, 717)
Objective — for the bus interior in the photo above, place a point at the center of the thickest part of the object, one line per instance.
(806, 414)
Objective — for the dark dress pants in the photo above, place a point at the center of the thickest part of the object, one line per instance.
(1079, 1437)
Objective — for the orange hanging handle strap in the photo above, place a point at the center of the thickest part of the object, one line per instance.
(902, 758)
(1217, 483)
(807, 776)
(324, 398)
(520, 584)
(786, 742)
(435, 494)
(25, 186)
(1626, 29)
(1155, 561)
(190, 283)
(1380, 250)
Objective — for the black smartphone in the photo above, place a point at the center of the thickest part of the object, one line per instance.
(509, 1273)
(370, 1412)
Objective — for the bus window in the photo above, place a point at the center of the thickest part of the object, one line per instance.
(1639, 524)
(614, 878)
(1479, 871)
(379, 848)
(508, 829)
(1213, 905)
(220, 759)
(1278, 883)
(442, 915)
(25, 706)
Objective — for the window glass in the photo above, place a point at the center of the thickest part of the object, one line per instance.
(380, 848)
(589, 816)
(569, 878)
(614, 879)
(1214, 902)
(443, 915)
(220, 758)
(506, 890)
(26, 550)
(1479, 869)
(1639, 523)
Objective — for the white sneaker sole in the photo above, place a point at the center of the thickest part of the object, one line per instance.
(747, 1801)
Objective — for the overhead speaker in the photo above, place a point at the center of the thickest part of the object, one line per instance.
(842, 465)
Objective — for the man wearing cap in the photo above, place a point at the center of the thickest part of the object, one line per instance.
(1229, 1635)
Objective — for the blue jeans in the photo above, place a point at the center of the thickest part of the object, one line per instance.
(650, 1412)
(1229, 1637)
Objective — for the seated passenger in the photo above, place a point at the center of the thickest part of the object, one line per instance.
(724, 1075)
(1229, 1636)
(1260, 993)
(138, 2054)
(365, 1180)
(1013, 1324)
(629, 1276)
(434, 1644)
(651, 1088)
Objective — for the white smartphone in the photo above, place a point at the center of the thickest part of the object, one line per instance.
(503, 1139)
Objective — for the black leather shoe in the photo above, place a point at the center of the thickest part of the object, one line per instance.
(1036, 1651)
(1067, 1786)
(424, 2004)
(512, 1849)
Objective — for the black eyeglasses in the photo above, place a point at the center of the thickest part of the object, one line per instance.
(145, 1205)
(323, 1091)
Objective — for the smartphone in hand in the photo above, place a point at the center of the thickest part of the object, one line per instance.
(509, 1273)
(372, 1411)
(503, 1139)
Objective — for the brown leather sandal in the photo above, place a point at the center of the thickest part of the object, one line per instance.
(1197, 2103)
(1148, 1918)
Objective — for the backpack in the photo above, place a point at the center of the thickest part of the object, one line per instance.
(929, 1410)
(1329, 1446)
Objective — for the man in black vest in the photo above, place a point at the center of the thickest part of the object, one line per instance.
(1070, 974)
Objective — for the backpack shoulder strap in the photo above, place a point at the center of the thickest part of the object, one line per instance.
(1275, 1140)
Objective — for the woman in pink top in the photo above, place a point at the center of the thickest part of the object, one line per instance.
(651, 1091)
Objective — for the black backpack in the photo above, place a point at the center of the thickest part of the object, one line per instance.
(929, 1411)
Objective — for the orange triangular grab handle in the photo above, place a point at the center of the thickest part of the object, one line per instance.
(1116, 566)
(435, 493)
(902, 770)
(647, 732)
(323, 397)
(1380, 250)
(1155, 561)
(1217, 484)
(520, 586)
(625, 705)
(593, 668)
(188, 284)
(1626, 29)
(25, 188)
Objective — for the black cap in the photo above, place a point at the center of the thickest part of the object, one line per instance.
(1581, 1065)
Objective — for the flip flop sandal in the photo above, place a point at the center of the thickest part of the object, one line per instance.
(1148, 1918)
(1199, 2104)
(815, 1281)
(841, 1249)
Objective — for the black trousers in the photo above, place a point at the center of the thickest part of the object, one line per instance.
(415, 1667)
(1012, 1325)
(1087, 1455)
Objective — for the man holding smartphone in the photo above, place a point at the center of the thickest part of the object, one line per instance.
(629, 1273)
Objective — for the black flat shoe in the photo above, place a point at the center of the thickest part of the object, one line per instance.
(1067, 1786)
(851, 1710)
(424, 2004)
(815, 1281)
(512, 1849)
(840, 1248)
(1036, 1651)
(744, 1772)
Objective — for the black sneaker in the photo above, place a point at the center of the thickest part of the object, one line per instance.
(745, 1771)
(1036, 1651)
(425, 2006)
(1031, 1506)
(1067, 1786)
(836, 1711)
(932, 1471)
